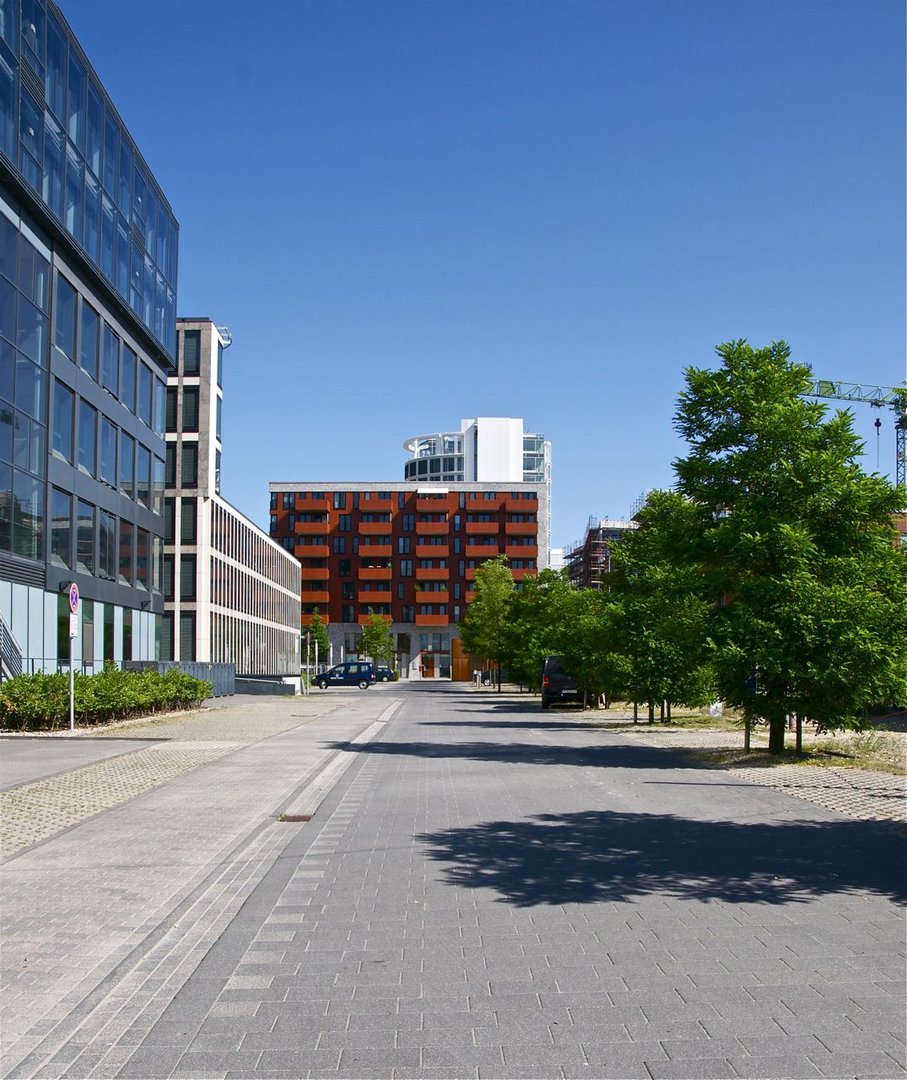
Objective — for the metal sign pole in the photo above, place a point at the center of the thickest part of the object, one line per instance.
(73, 634)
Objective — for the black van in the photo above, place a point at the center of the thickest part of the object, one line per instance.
(557, 685)
(352, 673)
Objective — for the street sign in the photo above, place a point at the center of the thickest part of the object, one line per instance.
(73, 625)
(74, 598)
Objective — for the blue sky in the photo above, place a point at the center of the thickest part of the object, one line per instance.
(413, 211)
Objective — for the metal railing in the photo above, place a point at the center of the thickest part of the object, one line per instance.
(10, 653)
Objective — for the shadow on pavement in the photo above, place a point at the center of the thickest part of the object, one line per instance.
(594, 857)
(540, 725)
(618, 756)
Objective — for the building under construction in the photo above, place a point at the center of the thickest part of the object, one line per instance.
(588, 560)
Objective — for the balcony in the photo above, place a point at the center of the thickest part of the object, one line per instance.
(428, 504)
(481, 551)
(307, 620)
(432, 528)
(375, 551)
(316, 596)
(376, 506)
(315, 573)
(518, 551)
(374, 573)
(486, 505)
(432, 551)
(432, 573)
(372, 596)
(374, 528)
(432, 620)
(313, 528)
(522, 528)
(432, 597)
(365, 618)
(482, 528)
(311, 551)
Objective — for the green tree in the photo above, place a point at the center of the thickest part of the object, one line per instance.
(794, 544)
(317, 634)
(536, 626)
(376, 640)
(483, 632)
(660, 622)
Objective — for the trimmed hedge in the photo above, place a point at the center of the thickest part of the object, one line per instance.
(41, 702)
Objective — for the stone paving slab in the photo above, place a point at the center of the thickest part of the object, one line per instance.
(102, 923)
(478, 901)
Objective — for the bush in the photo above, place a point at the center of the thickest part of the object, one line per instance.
(41, 702)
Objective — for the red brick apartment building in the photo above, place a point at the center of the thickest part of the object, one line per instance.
(408, 552)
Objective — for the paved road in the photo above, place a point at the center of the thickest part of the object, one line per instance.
(481, 891)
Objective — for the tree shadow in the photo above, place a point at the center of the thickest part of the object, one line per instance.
(539, 725)
(596, 856)
(619, 756)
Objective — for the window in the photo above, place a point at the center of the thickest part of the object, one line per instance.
(110, 361)
(170, 468)
(287, 500)
(145, 383)
(407, 613)
(127, 552)
(348, 613)
(65, 328)
(143, 558)
(127, 378)
(85, 546)
(107, 547)
(167, 576)
(189, 465)
(88, 425)
(408, 522)
(60, 528)
(344, 568)
(339, 500)
(169, 520)
(143, 475)
(187, 636)
(188, 521)
(190, 408)
(187, 577)
(406, 568)
(88, 340)
(347, 590)
(339, 545)
(192, 351)
(107, 458)
(345, 522)
(172, 398)
(404, 544)
(64, 401)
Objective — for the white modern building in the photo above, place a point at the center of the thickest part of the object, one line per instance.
(487, 449)
(231, 593)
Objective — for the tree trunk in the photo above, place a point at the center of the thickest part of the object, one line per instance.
(651, 712)
(776, 729)
(799, 743)
(635, 712)
(661, 710)
(747, 725)
(669, 712)
(499, 678)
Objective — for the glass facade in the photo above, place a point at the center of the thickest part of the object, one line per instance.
(62, 138)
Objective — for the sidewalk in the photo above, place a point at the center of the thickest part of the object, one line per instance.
(171, 861)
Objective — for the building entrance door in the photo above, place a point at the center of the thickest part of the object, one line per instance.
(428, 666)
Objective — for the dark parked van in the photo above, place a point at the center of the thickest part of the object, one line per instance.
(353, 673)
(557, 685)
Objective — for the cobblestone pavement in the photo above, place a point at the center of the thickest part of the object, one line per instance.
(109, 917)
(857, 793)
(30, 813)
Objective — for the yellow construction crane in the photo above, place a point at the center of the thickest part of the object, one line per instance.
(877, 396)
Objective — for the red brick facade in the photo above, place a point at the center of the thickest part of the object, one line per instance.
(406, 552)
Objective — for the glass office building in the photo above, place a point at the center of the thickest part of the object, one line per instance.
(88, 267)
